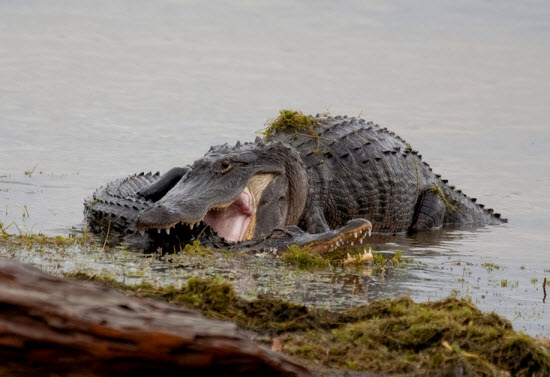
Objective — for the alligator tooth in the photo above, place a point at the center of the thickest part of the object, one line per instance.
(158, 230)
(361, 240)
(168, 231)
(191, 226)
(351, 243)
(370, 232)
(355, 234)
(349, 256)
(142, 232)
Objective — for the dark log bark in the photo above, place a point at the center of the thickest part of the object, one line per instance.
(52, 326)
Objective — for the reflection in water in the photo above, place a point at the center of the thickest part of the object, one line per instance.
(95, 93)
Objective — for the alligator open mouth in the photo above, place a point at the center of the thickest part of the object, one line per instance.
(233, 221)
(236, 221)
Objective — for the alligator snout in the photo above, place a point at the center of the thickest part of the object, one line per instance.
(157, 216)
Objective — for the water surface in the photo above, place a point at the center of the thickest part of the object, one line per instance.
(92, 91)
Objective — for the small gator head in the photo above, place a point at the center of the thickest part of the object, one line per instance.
(240, 192)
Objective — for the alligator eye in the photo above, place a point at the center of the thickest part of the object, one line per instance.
(225, 166)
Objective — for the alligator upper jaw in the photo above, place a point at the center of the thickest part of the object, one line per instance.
(229, 220)
(233, 221)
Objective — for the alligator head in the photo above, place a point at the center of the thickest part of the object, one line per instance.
(241, 192)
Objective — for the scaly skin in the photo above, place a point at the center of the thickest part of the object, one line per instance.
(361, 170)
(353, 170)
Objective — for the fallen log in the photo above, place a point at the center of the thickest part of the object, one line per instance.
(53, 326)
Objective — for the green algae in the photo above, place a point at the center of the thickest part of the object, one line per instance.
(490, 267)
(290, 120)
(196, 248)
(386, 336)
(304, 258)
(440, 193)
(41, 240)
(29, 173)
(439, 338)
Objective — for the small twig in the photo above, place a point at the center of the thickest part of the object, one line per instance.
(4, 228)
(30, 172)
(544, 290)
(200, 234)
(106, 236)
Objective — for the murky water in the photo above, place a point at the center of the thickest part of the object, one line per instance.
(93, 92)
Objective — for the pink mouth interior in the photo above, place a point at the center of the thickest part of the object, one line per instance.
(231, 223)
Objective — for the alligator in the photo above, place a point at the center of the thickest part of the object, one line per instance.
(325, 185)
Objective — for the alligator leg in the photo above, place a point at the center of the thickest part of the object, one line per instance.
(314, 222)
(430, 212)
(158, 189)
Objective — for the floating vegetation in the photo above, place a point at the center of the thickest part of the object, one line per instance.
(38, 240)
(490, 266)
(303, 257)
(29, 173)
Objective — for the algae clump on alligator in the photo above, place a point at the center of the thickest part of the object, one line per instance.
(289, 120)
(389, 336)
(318, 181)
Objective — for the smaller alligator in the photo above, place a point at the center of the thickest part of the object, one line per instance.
(319, 184)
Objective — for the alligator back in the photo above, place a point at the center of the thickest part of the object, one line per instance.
(357, 169)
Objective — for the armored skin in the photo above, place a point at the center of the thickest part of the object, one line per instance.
(309, 182)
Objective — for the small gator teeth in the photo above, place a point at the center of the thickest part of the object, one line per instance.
(351, 243)
(355, 234)
(142, 232)
(370, 232)
(168, 231)
(158, 230)
(361, 240)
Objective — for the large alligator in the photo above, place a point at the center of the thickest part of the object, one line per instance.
(322, 185)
